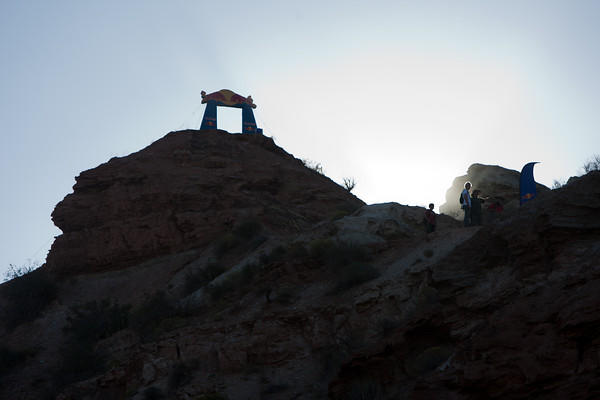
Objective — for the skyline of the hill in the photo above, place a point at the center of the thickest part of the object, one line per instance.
(400, 96)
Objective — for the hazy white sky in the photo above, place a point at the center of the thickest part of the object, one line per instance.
(401, 95)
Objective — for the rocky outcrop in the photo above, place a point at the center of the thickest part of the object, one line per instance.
(376, 224)
(507, 312)
(495, 183)
(182, 192)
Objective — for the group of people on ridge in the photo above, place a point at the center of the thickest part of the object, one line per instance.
(470, 204)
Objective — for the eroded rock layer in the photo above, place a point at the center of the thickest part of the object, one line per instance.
(181, 192)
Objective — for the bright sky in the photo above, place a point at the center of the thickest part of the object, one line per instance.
(400, 95)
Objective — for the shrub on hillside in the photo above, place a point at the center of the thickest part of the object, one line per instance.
(558, 184)
(11, 359)
(285, 297)
(148, 317)
(428, 360)
(226, 243)
(86, 325)
(297, 251)
(234, 282)
(366, 389)
(79, 361)
(336, 254)
(246, 236)
(27, 296)
(387, 326)
(94, 320)
(339, 214)
(248, 229)
(349, 262)
(197, 279)
(349, 184)
(330, 359)
(277, 254)
(321, 249)
(212, 396)
(593, 164)
(14, 272)
(181, 374)
(275, 388)
(312, 165)
(153, 393)
(354, 274)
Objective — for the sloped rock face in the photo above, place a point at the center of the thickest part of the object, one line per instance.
(375, 224)
(510, 314)
(181, 192)
(506, 311)
(498, 183)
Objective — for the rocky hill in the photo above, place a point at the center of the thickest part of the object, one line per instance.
(183, 191)
(217, 266)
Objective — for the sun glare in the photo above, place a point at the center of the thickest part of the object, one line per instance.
(404, 125)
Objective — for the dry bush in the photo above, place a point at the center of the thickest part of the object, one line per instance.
(11, 359)
(86, 325)
(27, 296)
(315, 166)
(196, 279)
(593, 164)
(349, 184)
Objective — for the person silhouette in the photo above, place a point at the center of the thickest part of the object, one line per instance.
(429, 219)
(466, 203)
(476, 208)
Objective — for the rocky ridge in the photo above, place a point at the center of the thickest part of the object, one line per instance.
(180, 193)
(339, 304)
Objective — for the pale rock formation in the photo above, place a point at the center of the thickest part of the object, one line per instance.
(495, 183)
(375, 224)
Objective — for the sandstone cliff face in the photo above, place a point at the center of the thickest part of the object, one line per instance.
(495, 183)
(357, 306)
(180, 193)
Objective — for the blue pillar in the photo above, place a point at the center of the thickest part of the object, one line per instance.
(209, 121)
(248, 121)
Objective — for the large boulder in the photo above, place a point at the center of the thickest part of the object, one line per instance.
(375, 224)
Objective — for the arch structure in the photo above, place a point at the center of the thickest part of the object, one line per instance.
(227, 98)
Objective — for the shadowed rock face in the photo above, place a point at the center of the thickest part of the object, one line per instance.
(504, 311)
(493, 181)
(376, 224)
(182, 192)
(509, 314)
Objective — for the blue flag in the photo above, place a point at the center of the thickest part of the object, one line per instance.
(527, 183)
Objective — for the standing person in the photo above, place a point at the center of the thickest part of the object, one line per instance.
(429, 219)
(476, 207)
(466, 203)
